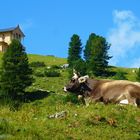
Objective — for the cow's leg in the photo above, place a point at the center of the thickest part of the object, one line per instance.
(87, 100)
(133, 94)
(138, 102)
(96, 98)
(80, 97)
(131, 100)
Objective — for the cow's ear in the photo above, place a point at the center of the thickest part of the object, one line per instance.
(72, 80)
(74, 71)
(75, 76)
(78, 73)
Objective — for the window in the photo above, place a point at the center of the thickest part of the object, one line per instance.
(3, 37)
(16, 36)
(19, 37)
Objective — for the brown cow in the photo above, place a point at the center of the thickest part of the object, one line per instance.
(114, 91)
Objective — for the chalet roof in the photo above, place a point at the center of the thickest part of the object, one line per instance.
(11, 29)
(8, 29)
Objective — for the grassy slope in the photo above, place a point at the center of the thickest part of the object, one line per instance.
(48, 60)
(130, 75)
(96, 122)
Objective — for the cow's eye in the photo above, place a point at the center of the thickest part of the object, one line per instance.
(72, 80)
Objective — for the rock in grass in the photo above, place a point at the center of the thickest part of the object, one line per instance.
(61, 114)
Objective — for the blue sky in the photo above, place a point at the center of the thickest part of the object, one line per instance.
(49, 25)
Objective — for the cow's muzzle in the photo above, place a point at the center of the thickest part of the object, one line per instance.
(65, 89)
(80, 97)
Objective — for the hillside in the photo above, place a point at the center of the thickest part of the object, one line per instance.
(48, 60)
(46, 97)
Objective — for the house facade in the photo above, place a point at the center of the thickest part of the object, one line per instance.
(7, 35)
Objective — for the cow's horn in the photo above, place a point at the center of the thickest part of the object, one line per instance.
(83, 79)
(86, 76)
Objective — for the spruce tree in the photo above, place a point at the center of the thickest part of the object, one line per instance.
(89, 47)
(74, 52)
(96, 54)
(15, 73)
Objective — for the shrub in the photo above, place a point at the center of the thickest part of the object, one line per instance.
(51, 73)
(120, 76)
(55, 67)
(39, 73)
(37, 64)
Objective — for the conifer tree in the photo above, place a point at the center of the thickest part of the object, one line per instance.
(15, 73)
(74, 52)
(96, 54)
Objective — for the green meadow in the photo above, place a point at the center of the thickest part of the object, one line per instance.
(31, 119)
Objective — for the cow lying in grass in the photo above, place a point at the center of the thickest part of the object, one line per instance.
(107, 91)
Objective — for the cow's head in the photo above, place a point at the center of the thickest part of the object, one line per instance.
(76, 84)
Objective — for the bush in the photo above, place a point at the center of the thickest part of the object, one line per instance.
(51, 73)
(39, 74)
(120, 76)
(55, 67)
(37, 64)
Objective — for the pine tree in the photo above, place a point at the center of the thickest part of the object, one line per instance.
(15, 73)
(74, 52)
(96, 55)
(89, 47)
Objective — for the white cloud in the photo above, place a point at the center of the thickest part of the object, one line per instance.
(121, 16)
(124, 37)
